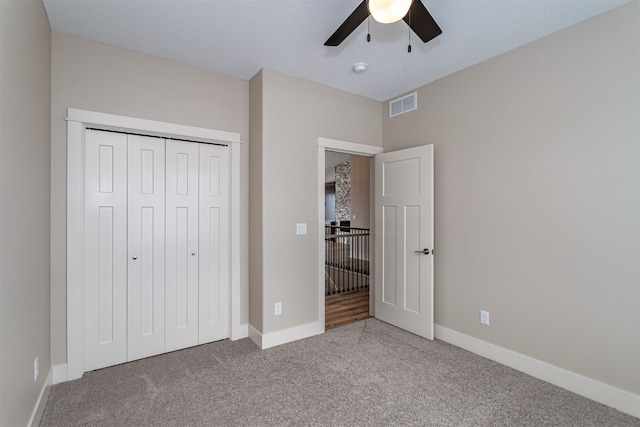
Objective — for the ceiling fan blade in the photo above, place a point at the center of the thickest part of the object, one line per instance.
(351, 23)
(421, 22)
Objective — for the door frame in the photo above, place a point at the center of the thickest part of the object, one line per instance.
(77, 122)
(325, 144)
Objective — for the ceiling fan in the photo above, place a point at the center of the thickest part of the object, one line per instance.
(418, 18)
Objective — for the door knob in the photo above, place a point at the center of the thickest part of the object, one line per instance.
(425, 251)
(193, 253)
(134, 257)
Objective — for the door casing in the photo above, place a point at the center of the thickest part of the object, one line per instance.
(342, 147)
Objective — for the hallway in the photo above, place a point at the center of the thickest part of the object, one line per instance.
(346, 308)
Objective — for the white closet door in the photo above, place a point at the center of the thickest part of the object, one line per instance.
(214, 243)
(181, 245)
(146, 247)
(105, 251)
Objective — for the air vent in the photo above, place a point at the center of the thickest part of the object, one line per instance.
(404, 104)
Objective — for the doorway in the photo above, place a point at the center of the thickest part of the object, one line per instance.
(403, 218)
(346, 241)
(345, 291)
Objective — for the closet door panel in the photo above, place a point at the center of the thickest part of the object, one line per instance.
(146, 299)
(214, 243)
(181, 245)
(105, 258)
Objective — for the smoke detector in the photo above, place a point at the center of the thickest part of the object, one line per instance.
(359, 67)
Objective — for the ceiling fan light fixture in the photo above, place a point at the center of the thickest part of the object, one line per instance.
(389, 11)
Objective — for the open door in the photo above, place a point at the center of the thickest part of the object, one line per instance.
(404, 239)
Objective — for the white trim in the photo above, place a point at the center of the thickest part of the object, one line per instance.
(343, 147)
(75, 251)
(38, 409)
(235, 332)
(113, 121)
(273, 339)
(285, 336)
(59, 374)
(255, 336)
(77, 121)
(349, 147)
(321, 243)
(600, 392)
(243, 331)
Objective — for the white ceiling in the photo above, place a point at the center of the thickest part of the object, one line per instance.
(239, 37)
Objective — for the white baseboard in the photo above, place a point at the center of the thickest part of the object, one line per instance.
(59, 373)
(284, 336)
(255, 336)
(38, 409)
(600, 392)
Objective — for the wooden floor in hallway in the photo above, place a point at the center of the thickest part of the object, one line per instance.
(346, 308)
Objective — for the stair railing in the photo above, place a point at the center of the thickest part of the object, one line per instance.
(346, 259)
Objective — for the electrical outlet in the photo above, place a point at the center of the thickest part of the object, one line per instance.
(35, 369)
(278, 308)
(484, 317)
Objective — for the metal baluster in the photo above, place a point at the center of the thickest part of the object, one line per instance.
(337, 258)
(342, 266)
(333, 266)
(360, 243)
(358, 262)
(368, 261)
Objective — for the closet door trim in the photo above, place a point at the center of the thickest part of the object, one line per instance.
(77, 122)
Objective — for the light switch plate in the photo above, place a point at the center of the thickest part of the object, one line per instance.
(301, 228)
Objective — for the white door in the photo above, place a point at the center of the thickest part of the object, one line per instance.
(181, 245)
(156, 261)
(145, 296)
(105, 249)
(404, 239)
(214, 243)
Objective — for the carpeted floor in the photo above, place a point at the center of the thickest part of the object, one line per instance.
(367, 373)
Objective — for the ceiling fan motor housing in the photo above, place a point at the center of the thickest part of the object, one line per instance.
(388, 11)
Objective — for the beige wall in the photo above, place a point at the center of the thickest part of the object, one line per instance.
(25, 103)
(98, 77)
(295, 113)
(537, 197)
(360, 191)
(537, 187)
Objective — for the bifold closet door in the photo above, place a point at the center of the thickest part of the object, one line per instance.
(156, 255)
(105, 249)
(146, 210)
(124, 248)
(214, 243)
(181, 260)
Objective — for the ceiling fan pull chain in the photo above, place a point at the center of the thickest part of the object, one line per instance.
(409, 47)
(368, 31)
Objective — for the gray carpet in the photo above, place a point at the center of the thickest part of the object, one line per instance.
(367, 373)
